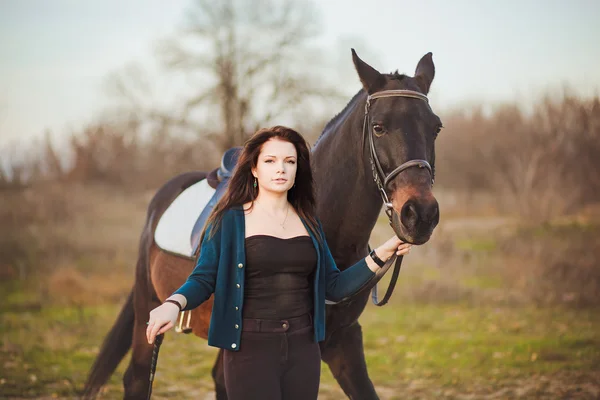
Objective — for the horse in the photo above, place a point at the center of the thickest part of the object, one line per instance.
(379, 150)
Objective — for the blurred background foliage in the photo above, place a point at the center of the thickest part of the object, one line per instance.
(515, 259)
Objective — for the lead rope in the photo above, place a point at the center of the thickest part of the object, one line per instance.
(397, 261)
(157, 342)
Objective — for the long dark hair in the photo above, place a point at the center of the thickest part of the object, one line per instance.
(241, 188)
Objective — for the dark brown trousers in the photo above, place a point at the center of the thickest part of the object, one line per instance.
(277, 360)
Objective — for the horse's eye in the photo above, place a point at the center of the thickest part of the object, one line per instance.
(438, 130)
(378, 129)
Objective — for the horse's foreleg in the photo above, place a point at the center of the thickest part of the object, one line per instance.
(136, 379)
(218, 375)
(343, 352)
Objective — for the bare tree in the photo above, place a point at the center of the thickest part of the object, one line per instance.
(249, 62)
(136, 92)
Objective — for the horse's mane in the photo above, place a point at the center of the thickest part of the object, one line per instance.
(334, 120)
(395, 75)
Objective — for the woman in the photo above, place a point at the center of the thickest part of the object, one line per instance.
(265, 257)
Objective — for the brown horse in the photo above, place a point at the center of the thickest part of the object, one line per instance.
(387, 124)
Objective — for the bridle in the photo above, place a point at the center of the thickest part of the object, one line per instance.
(382, 180)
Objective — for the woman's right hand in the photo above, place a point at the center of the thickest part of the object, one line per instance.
(391, 246)
(162, 318)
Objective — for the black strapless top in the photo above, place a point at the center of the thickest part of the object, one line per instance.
(279, 277)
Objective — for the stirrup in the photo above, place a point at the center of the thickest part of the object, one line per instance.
(187, 328)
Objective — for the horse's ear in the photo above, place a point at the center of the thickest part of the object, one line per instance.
(371, 79)
(425, 72)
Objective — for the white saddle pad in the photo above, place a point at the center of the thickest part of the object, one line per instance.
(175, 226)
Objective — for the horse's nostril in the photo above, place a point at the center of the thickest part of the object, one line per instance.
(409, 214)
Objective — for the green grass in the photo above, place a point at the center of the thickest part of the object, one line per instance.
(455, 349)
(439, 337)
(483, 282)
(559, 229)
(481, 244)
(466, 344)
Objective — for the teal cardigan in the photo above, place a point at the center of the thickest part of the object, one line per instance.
(220, 270)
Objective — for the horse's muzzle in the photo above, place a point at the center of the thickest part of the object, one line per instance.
(416, 221)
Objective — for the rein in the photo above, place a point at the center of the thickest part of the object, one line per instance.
(382, 180)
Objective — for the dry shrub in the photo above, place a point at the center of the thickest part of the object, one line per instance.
(51, 224)
(23, 212)
(120, 155)
(41, 195)
(539, 164)
(555, 264)
(47, 224)
(440, 291)
(125, 153)
(67, 285)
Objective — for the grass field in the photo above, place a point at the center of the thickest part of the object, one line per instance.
(455, 328)
(413, 351)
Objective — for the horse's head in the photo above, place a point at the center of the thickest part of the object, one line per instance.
(401, 129)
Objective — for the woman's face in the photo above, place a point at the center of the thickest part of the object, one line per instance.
(276, 166)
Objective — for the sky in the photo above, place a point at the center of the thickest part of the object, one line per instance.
(55, 56)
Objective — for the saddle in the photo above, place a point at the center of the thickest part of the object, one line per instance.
(179, 227)
(219, 180)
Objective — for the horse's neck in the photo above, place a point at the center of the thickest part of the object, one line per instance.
(348, 203)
